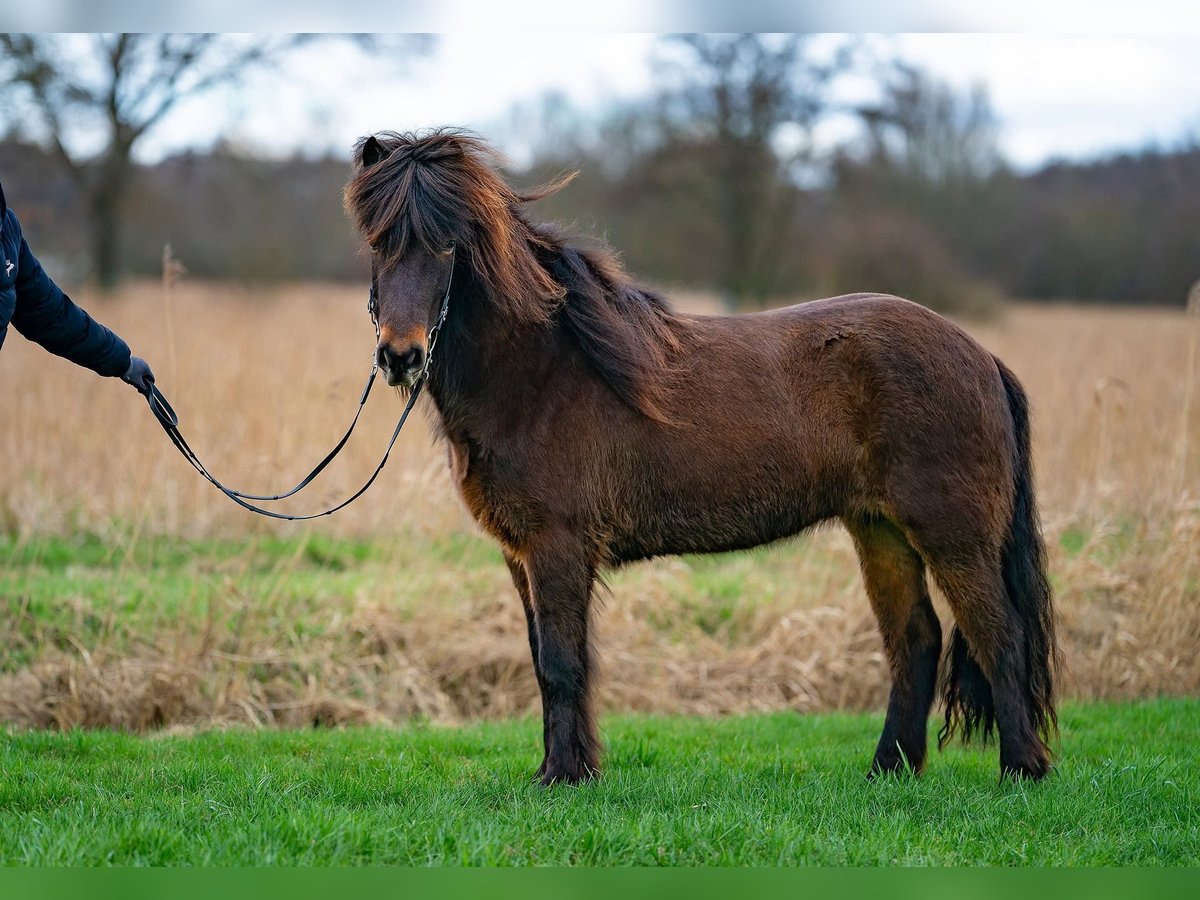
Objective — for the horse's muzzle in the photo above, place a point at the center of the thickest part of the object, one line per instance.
(400, 367)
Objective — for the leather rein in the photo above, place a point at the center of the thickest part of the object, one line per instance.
(169, 420)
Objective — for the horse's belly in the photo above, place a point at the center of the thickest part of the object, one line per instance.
(722, 522)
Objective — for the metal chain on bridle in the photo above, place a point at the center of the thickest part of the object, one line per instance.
(169, 421)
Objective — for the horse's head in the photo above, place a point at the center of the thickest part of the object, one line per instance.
(407, 297)
(426, 203)
(412, 257)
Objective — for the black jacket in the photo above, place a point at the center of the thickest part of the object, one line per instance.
(40, 311)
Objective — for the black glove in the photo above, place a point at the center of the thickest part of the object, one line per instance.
(139, 375)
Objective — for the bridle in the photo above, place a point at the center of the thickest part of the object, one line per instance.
(169, 421)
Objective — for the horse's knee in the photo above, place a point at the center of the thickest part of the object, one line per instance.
(564, 671)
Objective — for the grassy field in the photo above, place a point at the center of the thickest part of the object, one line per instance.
(772, 789)
(146, 632)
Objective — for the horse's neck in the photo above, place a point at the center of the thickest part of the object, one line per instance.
(488, 370)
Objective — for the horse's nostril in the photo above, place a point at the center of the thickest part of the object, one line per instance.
(411, 358)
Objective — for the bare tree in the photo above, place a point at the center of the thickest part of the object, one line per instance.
(123, 86)
(929, 153)
(925, 130)
(750, 101)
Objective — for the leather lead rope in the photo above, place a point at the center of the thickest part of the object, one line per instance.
(169, 420)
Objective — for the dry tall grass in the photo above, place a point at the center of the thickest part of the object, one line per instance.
(264, 384)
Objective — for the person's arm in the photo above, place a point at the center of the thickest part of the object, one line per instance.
(46, 315)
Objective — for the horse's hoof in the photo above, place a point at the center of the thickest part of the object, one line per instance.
(552, 775)
(1019, 773)
(897, 769)
(894, 762)
(1031, 766)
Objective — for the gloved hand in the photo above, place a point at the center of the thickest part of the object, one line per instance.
(139, 375)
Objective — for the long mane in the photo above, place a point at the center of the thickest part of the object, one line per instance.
(443, 186)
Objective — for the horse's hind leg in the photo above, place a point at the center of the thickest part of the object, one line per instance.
(995, 650)
(894, 576)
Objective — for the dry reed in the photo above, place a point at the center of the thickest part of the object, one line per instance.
(264, 384)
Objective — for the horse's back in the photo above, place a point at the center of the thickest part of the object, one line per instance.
(898, 344)
(854, 342)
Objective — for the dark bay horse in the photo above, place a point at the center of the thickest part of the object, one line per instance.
(589, 426)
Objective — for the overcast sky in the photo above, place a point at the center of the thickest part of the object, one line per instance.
(1071, 96)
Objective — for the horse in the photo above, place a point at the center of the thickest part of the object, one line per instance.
(589, 425)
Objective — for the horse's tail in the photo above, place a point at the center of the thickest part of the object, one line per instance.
(965, 689)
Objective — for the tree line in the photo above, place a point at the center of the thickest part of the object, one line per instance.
(716, 181)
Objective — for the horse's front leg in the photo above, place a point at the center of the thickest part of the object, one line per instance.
(521, 582)
(561, 573)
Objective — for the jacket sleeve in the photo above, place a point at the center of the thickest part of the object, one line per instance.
(46, 315)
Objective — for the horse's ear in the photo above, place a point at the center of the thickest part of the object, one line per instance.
(372, 152)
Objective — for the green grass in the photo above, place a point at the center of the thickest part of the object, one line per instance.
(778, 789)
(55, 590)
(124, 591)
